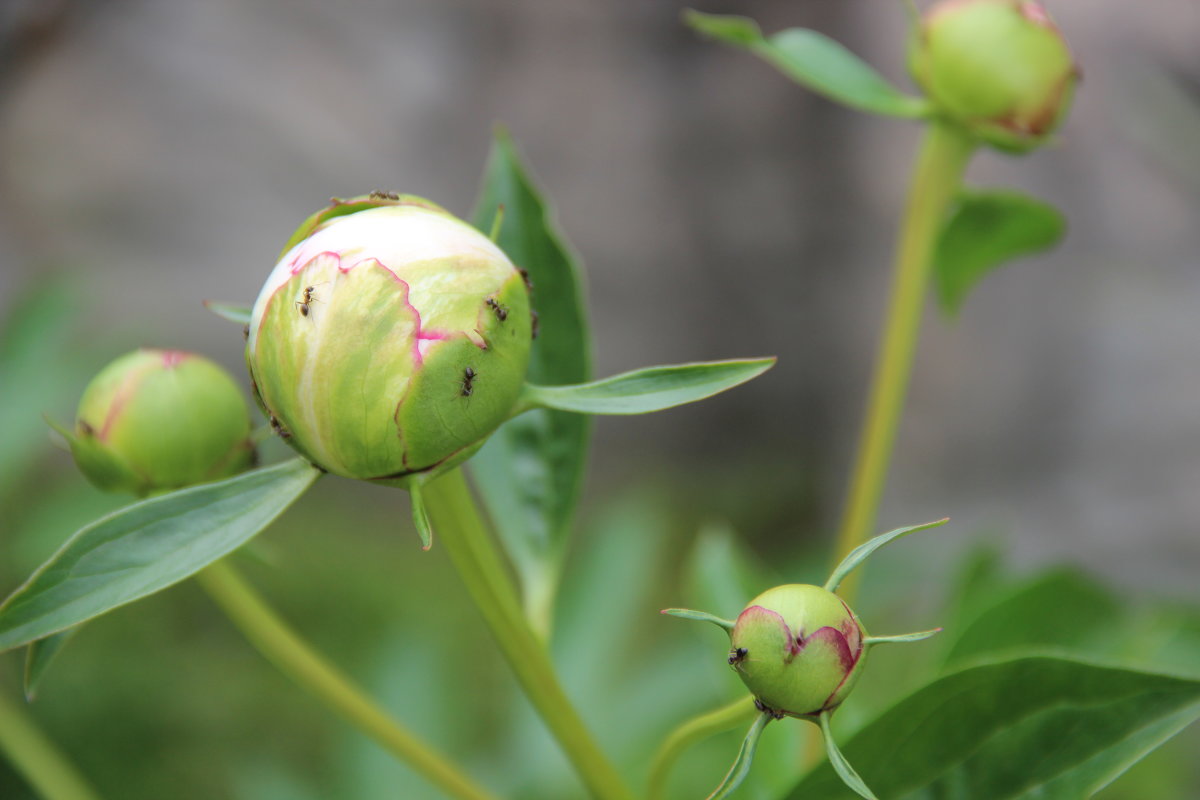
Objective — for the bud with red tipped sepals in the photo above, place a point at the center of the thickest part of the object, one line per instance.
(155, 420)
(1000, 68)
(798, 648)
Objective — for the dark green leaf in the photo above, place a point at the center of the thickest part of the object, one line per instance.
(39, 657)
(815, 61)
(148, 546)
(650, 389)
(531, 470)
(1061, 608)
(1031, 727)
(985, 230)
(238, 314)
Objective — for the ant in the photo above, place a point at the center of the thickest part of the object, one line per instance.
(500, 311)
(468, 381)
(308, 298)
(525, 277)
(737, 656)
(279, 429)
(533, 327)
(379, 194)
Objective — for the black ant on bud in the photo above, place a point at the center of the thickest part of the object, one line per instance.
(737, 656)
(307, 298)
(379, 194)
(468, 381)
(279, 429)
(533, 328)
(500, 311)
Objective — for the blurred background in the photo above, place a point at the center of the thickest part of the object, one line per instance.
(154, 154)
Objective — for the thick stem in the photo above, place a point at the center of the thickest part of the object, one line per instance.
(461, 532)
(35, 757)
(694, 730)
(282, 647)
(943, 158)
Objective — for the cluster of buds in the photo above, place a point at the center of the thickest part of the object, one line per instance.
(390, 340)
(1000, 68)
(156, 420)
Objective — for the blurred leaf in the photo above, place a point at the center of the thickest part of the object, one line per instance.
(39, 657)
(1062, 608)
(531, 470)
(985, 230)
(643, 391)
(34, 374)
(1032, 727)
(861, 553)
(815, 61)
(146, 547)
(720, 574)
(238, 314)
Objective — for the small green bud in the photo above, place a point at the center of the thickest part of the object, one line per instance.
(390, 340)
(798, 648)
(998, 67)
(155, 420)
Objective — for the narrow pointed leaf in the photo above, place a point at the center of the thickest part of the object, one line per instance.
(239, 314)
(815, 61)
(986, 230)
(864, 551)
(531, 470)
(902, 637)
(651, 389)
(1038, 726)
(839, 763)
(745, 757)
(148, 546)
(39, 656)
(703, 616)
(421, 517)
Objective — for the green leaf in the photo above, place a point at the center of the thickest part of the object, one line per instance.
(745, 757)
(1031, 727)
(864, 551)
(815, 61)
(39, 656)
(702, 616)
(1062, 608)
(531, 470)
(238, 314)
(650, 389)
(985, 230)
(840, 765)
(148, 546)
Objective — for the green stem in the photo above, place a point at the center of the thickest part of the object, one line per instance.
(943, 158)
(461, 532)
(694, 730)
(36, 759)
(282, 647)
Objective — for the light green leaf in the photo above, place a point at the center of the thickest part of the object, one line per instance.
(985, 230)
(815, 61)
(840, 765)
(238, 314)
(148, 546)
(702, 616)
(530, 471)
(745, 757)
(650, 389)
(864, 551)
(1031, 727)
(39, 656)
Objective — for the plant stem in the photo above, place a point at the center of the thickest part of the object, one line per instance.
(694, 730)
(282, 647)
(460, 530)
(943, 157)
(35, 757)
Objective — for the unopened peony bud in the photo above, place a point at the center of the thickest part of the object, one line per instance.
(390, 340)
(155, 420)
(798, 648)
(998, 67)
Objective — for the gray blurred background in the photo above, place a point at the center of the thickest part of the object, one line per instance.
(159, 152)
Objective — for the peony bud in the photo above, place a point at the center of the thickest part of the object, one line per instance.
(390, 340)
(999, 67)
(155, 420)
(798, 648)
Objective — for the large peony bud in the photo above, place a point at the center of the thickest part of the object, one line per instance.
(390, 340)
